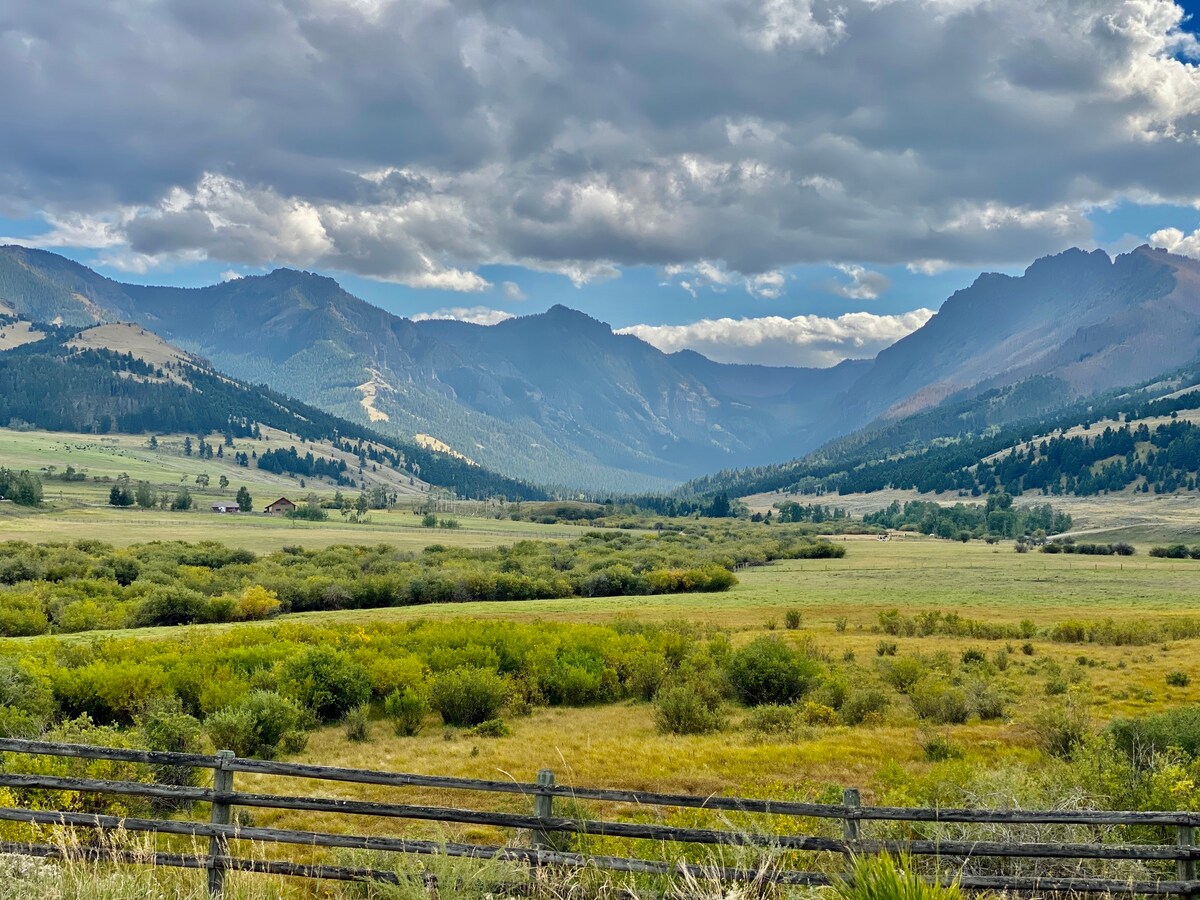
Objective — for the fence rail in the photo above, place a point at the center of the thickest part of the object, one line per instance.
(222, 831)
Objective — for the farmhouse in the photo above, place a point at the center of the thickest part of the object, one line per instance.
(281, 506)
(224, 507)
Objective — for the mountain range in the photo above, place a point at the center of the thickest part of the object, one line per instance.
(559, 398)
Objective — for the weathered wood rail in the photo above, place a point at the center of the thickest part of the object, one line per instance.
(223, 832)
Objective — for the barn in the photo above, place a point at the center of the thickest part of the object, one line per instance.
(281, 507)
(224, 507)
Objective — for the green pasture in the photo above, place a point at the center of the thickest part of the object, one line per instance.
(260, 532)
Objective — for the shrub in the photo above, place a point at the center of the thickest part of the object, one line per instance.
(262, 724)
(692, 707)
(256, 602)
(1056, 685)
(937, 701)
(407, 710)
(791, 619)
(818, 714)
(467, 696)
(769, 671)
(326, 681)
(429, 520)
(886, 648)
(771, 718)
(1178, 679)
(171, 605)
(166, 727)
(904, 672)
(973, 656)
(1141, 739)
(940, 748)
(863, 704)
(1062, 728)
(358, 724)
(987, 701)
(492, 728)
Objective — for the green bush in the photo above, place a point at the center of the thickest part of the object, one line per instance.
(903, 672)
(467, 696)
(165, 727)
(358, 724)
(1178, 679)
(772, 718)
(937, 701)
(1063, 727)
(791, 619)
(326, 681)
(940, 748)
(261, 724)
(1143, 738)
(492, 728)
(769, 671)
(690, 707)
(406, 709)
(864, 703)
(172, 604)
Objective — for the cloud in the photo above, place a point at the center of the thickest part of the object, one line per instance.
(1175, 241)
(513, 292)
(230, 275)
(779, 341)
(863, 284)
(476, 315)
(706, 275)
(416, 141)
(928, 266)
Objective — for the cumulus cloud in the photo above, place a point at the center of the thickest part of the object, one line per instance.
(706, 275)
(230, 275)
(513, 292)
(418, 141)
(778, 341)
(1175, 241)
(476, 315)
(863, 284)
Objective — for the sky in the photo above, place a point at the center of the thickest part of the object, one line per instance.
(790, 182)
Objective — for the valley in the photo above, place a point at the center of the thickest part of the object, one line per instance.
(421, 612)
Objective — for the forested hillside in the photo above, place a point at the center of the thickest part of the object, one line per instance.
(1124, 439)
(50, 385)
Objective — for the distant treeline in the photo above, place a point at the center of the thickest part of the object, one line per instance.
(997, 518)
(47, 385)
(90, 585)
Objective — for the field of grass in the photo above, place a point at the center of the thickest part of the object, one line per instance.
(79, 509)
(839, 602)
(104, 458)
(259, 532)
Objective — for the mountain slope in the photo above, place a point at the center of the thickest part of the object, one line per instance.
(556, 397)
(122, 378)
(559, 398)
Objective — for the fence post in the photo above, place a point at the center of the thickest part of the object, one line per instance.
(1185, 869)
(221, 815)
(851, 826)
(543, 808)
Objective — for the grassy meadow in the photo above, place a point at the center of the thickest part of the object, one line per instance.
(1022, 669)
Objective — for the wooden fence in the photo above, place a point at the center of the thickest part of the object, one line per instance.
(1176, 857)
